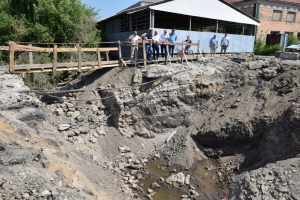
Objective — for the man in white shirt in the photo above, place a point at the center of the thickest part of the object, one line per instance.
(155, 46)
(164, 38)
(224, 44)
(133, 38)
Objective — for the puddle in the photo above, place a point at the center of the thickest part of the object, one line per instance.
(161, 193)
(158, 169)
(208, 178)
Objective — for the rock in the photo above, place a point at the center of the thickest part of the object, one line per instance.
(155, 185)
(101, 131)
(121, 166)
(124, 149)
(257, 65)
(84, 129)
(187, 179)
(70, 133)
(269, 73)
(65, 135)
(94, 108)
(63, 127)
(45, 193)
(54, 194)
(25, 196)
(75, 114)
(193, 192)
(176, 179)
(157, 155)
(80, 140)
(59, 111)
(136, 167)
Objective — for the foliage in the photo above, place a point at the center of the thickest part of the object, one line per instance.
(57, 21)
(292, 40)
(261, 49)
(47, 21)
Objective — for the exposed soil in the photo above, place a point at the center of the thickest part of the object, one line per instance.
(226, 127)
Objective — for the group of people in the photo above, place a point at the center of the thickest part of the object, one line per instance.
(154, 40)
(213, 44)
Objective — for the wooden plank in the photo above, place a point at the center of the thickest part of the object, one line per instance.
(60, 65)
(11, 58)
(18, 46)
(54, 60)
(99, 57)
(144, 54)
(79, 57)
(123, 63)
(66, 69)
(101, 49)
(120, 53)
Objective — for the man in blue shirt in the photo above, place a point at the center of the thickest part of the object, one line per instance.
(172, 39)
(149, 50)
(213, 44)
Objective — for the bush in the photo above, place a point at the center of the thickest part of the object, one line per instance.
(258, 45)
(261, 49)
(292, 40)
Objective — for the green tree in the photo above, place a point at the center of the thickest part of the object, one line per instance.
(48, 21)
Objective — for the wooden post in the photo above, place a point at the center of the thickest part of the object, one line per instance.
(54, 60)
(107, 57)
(135, 54)
(120, 53)
(183, 54)
(79, 56)
(31, 63)
(167, 54)
(12, 58)
(99, 58)
(144, 54)
(198, 50)
(182, 50)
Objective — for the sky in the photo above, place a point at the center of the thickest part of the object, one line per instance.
(109, 7)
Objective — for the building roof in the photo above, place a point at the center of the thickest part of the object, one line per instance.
(283, 1)
(212, 9)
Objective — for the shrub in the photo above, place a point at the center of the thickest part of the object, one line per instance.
(261, 49)
(292, 40)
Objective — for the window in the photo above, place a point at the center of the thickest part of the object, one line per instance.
(291, 16)
(277, 15)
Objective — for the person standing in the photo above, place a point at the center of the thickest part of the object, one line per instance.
(149, 39)
(172, 39)
(224, 44)
(188, 46)
(155, 45)
(164, 38)
(213, 44)
(133, 39)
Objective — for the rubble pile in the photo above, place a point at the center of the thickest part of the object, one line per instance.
(214, 128)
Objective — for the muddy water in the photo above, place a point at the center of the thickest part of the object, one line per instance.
(161, 193)
(158, 169)
(208, 178)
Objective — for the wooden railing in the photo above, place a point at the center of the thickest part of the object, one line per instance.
(55, 66)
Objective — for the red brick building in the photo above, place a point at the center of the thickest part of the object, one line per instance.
(276, 16)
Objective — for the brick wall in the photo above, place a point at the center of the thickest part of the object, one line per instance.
(267, 24)
(266, 13)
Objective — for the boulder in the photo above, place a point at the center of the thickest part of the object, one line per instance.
(124, 149)
(176, 179)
